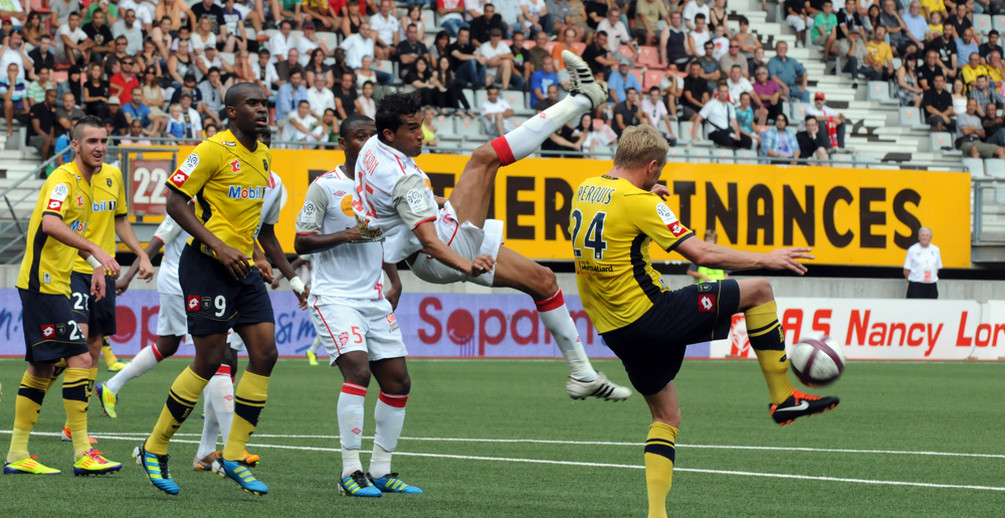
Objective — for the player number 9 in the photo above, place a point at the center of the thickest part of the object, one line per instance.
(221, 305)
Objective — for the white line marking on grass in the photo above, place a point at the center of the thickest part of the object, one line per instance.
(142, 435)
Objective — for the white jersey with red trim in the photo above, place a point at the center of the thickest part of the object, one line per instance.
(348, 270)
(378, 169)
(271, 201)
(174, 238)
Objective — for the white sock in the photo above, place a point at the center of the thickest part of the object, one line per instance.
(527, 138)
(556, 318)
(350, 426)
(390, 416)
(146, 359)
(219, 409)
(315, 345)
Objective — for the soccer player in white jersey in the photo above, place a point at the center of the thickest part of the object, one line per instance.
(354, 318)
(393, 201)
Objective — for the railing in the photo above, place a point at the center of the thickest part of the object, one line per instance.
(15, 221)
(988, 212)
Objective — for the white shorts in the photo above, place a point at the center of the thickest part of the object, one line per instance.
(347, 325)
(465, 239)
(171, 319)
(798, 23)
(235, 341)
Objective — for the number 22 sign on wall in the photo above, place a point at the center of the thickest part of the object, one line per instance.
(149, 193)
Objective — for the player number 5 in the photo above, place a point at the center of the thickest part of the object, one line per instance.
(594, 237)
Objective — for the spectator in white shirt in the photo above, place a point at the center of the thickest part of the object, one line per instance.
(308, 42)
(737, 85)
(720, 116)
(921, 267)
(386, 28)
(358, 45)
(617, 33)
(496, 113)
(304, 125)
(657, 115)
(691, 9)
(319, 97)
(499, 62)
(265, 73)
(281, 42)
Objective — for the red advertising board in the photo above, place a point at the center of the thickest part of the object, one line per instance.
(149, 194)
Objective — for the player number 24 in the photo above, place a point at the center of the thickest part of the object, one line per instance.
(594, 237)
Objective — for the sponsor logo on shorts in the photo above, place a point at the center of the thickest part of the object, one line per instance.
(60, 329)
(392, 323)
(193, 303)
(706, 303)
(48, 330)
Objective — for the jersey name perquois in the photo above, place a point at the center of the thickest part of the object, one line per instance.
(228, 183)
(109, 202)
(348, 270)
(612, 224)
(392, 197)
(47, 262)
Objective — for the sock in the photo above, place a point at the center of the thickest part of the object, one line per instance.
(527, 138)
(659, 456)
(768, 341)
(249, 400)
(315, 345)
(26, 407)
(389, 415)
(75, 396)
(110, 358)
(556, 318)
(146, 359)
(350, 426)
(181, 399)
(92, 375)
(218, 405)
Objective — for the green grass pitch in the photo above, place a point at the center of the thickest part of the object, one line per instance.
(500, 438)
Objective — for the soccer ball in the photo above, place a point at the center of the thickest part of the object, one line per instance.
(817, 361)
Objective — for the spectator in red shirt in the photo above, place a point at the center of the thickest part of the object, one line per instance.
(122, 83)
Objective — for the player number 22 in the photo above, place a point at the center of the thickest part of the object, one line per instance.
(594, 237)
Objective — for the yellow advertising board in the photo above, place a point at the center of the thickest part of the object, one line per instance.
(862, 217)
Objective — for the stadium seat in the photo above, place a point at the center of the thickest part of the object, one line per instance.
(722, 155)
(676, 154)
(995, 167)
(842, 160)
(998, 23)
(684, 133)
(652, 78)
(330, 39)
(447, 129)
(940, 142)
(550, 45)
(863, 160)
(602, 152)
(746, 156)
(975, 166)
(638, 75)
(649, 57)
(479, 99)
(518, 100)
(579, 47)
(879, 91)
(227, 57)
(982, 23)
(626, 50)
(469, 94)
(798, 112)
(699, 155)
(910, 117)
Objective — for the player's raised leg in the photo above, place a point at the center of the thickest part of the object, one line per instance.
(757, 301)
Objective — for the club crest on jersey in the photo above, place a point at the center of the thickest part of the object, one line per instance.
(108, 181)
(60, 329)
(706, 303)
(206, 303)
(238, 192)
(193, 303)
(343, 339)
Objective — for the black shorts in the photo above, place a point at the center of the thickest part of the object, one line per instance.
(51, 332)
(214, 301)
(652, 347)
(99, 316)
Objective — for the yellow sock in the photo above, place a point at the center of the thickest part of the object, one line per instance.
(26, 407)
(659, 455)
(106, 351)
(75, 394)
(249, 400)
(183, 396)
(768, 341)
(92, 375)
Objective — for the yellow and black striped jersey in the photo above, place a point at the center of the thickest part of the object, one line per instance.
(109, 202)
(47, 262)
(228, 183)
(612, 224)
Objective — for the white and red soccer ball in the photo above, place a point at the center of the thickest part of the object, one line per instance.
(817, 360)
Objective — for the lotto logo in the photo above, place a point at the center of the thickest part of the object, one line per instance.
(677, 229)
(706, 303)
(48, 330)
(193, 303)
(55, 204)
(179, 178)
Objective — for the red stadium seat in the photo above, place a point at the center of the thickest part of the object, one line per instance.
(649, 57)
(626, 50)
(638, 75)
(550, 45)
(579, 47)
(652, 78)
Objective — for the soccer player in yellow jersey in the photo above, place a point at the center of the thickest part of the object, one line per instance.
(227, 175)
(51, 332)
(614, 219)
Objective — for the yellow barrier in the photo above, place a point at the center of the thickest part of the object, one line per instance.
(848, 216)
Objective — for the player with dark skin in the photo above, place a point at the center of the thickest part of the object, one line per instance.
(391, 373)
(248, 112)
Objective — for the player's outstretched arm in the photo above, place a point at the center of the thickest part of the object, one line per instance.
(124, 230)
(393, 294)
(431, 244)
(235, 261)
(274, 251)
(54, 226)
(718, 256)
(311, 243)
(153, 248)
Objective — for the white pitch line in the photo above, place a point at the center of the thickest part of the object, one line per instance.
(140, 435)
(621, 466)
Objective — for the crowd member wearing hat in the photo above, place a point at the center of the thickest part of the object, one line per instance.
(622, 80)
(116, 117)
(309, 41)
(826, 115)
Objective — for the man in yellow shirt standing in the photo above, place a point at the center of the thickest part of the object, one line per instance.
(614, 220)
(51, 330)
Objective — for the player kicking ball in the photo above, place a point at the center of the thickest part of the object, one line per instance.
(393, 202)
(227, 174)
(52, 332)
(647, 325)
(354, 318)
